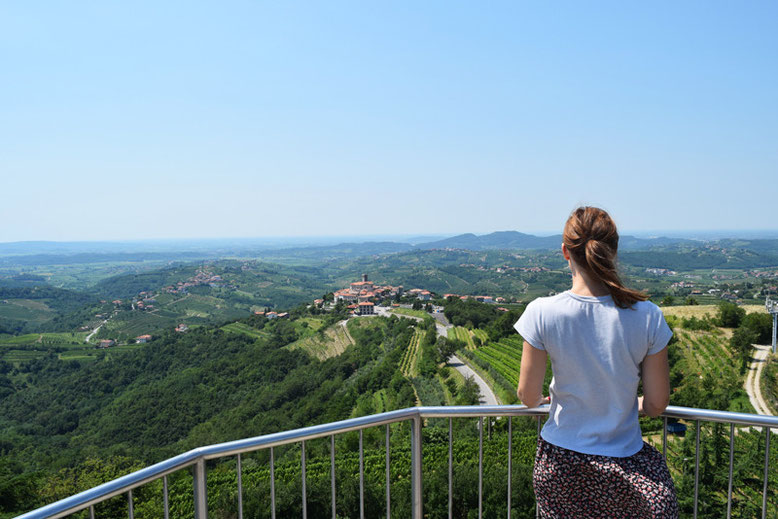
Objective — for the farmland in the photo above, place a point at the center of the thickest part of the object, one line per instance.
(468, 336)
(66, 346)
(325, 343)
(409, 362)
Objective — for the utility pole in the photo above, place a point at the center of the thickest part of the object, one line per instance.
(772, 308)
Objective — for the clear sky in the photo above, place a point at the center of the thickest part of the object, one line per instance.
(132, 120)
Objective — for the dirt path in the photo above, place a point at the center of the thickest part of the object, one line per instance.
(753, 387)
(344, 324)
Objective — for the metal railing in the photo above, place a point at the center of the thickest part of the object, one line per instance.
(196, 458)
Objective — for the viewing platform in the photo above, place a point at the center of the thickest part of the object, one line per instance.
(195, 460)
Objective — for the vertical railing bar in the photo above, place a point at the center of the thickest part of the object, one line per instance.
(200, 490)
(332, 475)
(696, 467)
(510, 459)
(480, 466)
(388, 477)
(361, 478)
(130, 508)
(240, 488)
(537, 508)
(165, 499)
(731, 465)
(664, 437)
(272, 484)
(302, 470)
(92, 512)
(766, 468)
(417, 499)
(450, 469)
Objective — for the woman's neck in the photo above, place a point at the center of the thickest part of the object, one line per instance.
(584, 285)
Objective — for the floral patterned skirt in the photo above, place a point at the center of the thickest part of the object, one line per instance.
(570, 484)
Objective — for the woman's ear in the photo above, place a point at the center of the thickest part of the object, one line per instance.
(565, 252)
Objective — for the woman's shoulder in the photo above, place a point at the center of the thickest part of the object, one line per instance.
(647, 307)
(547, 301)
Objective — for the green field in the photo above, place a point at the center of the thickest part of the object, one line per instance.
(67, 346)
(27, 310)
(245, 329)
(411, 313)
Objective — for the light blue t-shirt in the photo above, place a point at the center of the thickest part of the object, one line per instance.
(596, 349)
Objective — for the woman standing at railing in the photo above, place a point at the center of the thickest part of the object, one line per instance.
(603, 339)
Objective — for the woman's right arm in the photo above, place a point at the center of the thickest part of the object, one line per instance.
(656, 384)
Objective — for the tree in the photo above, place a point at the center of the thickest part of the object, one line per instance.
(668, 300)
(470, 393)
(761, 324)
(730, 314)
(691, 301)
(445, 348)
(416, 305)
(741, 343)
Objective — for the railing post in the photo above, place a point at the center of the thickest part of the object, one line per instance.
(165, 499)
(510, 456)
(417, 505)
(696, 467)
(200, 497)
(240, 488)
(766, 471)
(480, 467)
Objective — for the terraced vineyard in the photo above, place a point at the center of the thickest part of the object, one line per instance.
(707, 352)
(409, 360)
(333, 341)
(504, 356)
(461, 333)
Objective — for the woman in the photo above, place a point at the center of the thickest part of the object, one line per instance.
(603, 339)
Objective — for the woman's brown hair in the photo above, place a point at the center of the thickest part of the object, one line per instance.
(592, 239)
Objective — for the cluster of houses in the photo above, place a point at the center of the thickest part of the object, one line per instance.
(273, 315)
(107, 343)
(502, 269)
(202, 277)
(480, 299)
(661, 272)
(363, 295)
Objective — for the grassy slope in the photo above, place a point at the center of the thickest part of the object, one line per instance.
(333, 341)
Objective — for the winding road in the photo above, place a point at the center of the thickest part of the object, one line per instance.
(442, 326)
(487, 395)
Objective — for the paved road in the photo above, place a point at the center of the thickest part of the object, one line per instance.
(487, 395)
(442, 325)
(95, 331)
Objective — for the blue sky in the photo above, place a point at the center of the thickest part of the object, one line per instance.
(133, 120)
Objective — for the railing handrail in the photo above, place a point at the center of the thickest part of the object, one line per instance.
(140, 477)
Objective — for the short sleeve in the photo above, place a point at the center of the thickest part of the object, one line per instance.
(529, 326)
(659, 332)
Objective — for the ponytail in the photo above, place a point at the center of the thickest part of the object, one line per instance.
(592, 239)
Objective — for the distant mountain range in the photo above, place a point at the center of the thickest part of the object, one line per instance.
(42, 253)
(519, 240)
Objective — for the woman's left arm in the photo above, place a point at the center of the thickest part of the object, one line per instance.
(533, 371)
